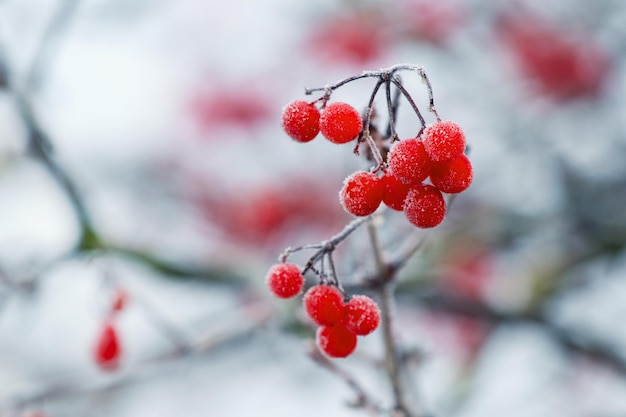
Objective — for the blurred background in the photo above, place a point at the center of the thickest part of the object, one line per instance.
(142, 158)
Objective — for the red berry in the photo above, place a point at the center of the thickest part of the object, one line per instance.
(340, 123)
(120, 299)
(336, 341)
(362, 193)
(324, 304)
(409, 161)
(424, 206)
(444, 141)
(454, 176)
(361, 315)
(108, 350)
(285, 280)
(301, 120)
(394, 191)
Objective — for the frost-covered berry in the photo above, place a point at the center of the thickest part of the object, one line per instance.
(340, 122)
(444, 141)
(324, 304)
(409, 161)
(301, 121)
(424, 206)
(361, 315)
(285, 280)
(361, 193)
(336, 341)
(454, 176)
(107, 352)
(394, 191)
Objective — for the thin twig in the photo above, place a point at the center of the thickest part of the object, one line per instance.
(364, 400)
(385, 292)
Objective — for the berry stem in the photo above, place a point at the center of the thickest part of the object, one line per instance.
(324, 248)
(328, 89)
(392, 112)
(363, 400)
(366, 129)
(411, 102)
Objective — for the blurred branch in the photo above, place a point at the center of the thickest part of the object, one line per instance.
(234, 330)
(363, 400)
(385, 276)
(48, 43)
(573, 341)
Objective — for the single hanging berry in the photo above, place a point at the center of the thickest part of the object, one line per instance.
(324, 305)
(301, 121)
(285, 280)
(444, 141)
(424, 206)
(340, 122)
(336, 341)
(362, 193)
(108, 351)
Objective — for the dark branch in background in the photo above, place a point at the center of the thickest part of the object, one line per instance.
(363, 400)
(48, 43)
(235, 330)
(572, 341)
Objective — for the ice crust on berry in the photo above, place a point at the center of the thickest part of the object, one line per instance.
(336, 341)
(285, 280)
(424, 206)
(324, 304)
(340, 123)
(444, 141)
(409, 161)
(300, 120)
(362, 315)
(361, 194)
(454, 176)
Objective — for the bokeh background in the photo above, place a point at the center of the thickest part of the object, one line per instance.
(141, 152)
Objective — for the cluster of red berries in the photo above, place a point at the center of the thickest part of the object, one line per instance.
(340, 321)
(108, 350)
(438, 154)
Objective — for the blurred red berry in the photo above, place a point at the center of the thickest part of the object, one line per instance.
(558, 63)
(453, 176)
(394, 191)
(357, 38)
(361, 315)
(107, 352)
(362, 193)
(409, 162)
(120, 299)
(424, 206)
(336, 341)
(285, 280)
(444, 141)
(236, 106)
(301, 121)
(430, 21)
(324, 305)
(340, 122)
(266, 215)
